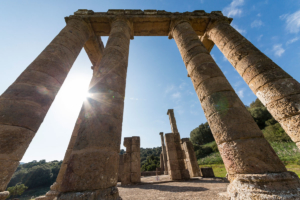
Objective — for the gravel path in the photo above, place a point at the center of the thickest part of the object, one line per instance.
(196, 188)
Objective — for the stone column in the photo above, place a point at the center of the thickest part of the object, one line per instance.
(276, 89)
(135, 160)
(248, 157)
(190, 158)
(172, 121)
(25, 103)
(94, 161)
(162, 167)
(173, 165)
(164, 153)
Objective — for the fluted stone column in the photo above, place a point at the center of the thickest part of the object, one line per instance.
(164, 153)
(25, 103)
(248, 157)
(92, 169)
(276, 89)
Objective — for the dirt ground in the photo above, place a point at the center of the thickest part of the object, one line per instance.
(164, 189)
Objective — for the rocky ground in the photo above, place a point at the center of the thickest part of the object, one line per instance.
(164, 189)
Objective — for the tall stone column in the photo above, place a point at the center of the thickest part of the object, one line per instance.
(172, 121)
(25, 103)
(249, 159)
(164, 153)
(276, 89)
(92, 169)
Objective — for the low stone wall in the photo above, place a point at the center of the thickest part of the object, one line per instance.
(150, 173)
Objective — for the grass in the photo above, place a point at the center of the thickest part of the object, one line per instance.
(288, 152)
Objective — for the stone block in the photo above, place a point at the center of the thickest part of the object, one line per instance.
(14, 142)
(135, 148)
(207, 172)
(254, 59)
(173, 165)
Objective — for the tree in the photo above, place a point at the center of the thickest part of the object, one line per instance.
(17, 190)
(152, 162)
(201, 135)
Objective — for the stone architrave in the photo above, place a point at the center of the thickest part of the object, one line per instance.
(190, 158)
(275, 88)
(164, 152)
(179, 151)
(249, 159)
(25, 103)
(94, 161)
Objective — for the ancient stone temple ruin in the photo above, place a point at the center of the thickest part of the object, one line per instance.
(91, 163)
(130, 162)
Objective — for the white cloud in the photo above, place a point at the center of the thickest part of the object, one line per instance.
(292, 40)
(292, 21)
(240, 93)
(259, 37)
(176, 95)
(258, 15)
(169, 89)
(182, 85)
(241, 31)
(257, 23)
(234, 8)
(278, 50)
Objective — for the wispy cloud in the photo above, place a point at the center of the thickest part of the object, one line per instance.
(234, 9)
(292, 41)
(278, 50)
(176, 95)
(292, 21)
(169, 89)
(182, 85)
(240, 93)
(257, 23)
(259, 37)
(241, 31)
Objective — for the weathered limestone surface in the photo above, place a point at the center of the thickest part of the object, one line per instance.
(121, 166)
(183, 169)
(164, 153)
(173, 165)
(207, 172)
(25, 103)
(162, 168)
(94, 161)
(131, 172)
(190, 158)
(242, 145)
(276, 89)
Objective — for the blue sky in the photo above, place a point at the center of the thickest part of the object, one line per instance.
(156, 80)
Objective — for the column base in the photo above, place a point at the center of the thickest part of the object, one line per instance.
(270, 186)
(4, 195)
(102, 194)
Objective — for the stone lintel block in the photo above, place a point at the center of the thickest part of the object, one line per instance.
(285, 185)
(232, 124)
(7, 169)
(292, 126)
(220, 101)
(99, 131)
(110, 193)
(175, 174)
(14, 142)
(150, 12)
(90, 170)
(211, 86)
(250, 156)
(277, 90)
(133, 12)
(267, 77)
(116, 11)
(286, 107)
(21, 113)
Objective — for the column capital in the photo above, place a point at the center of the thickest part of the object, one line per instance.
(161, 133)
(215, 20)
(84, 21)
(175, 22)
(127, 21)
